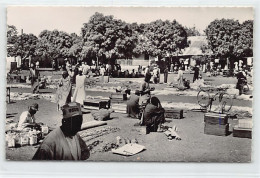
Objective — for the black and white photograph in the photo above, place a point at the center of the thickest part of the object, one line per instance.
(129, 84)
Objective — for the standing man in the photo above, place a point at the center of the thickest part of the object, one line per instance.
(64, 143)
(34, 76)
(196, 73)
(166, 74)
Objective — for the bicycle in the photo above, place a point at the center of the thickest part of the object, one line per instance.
(205, 99)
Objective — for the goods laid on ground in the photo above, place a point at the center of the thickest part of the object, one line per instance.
(92, 124)
(129, 149)
(216, 124)
(93, 133)
(30, 135)
(243, 129)
(95, 104)
(173, 113)
(119, 108)
(102, 114)
(171, 133)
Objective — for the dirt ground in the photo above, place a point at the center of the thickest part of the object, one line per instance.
(194, 146)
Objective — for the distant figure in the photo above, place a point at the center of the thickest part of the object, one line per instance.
(133, 73)
(126, 74)
(80, 93)
(196, 73)
(64, 143)
(241, 80)
(27, 117)
(172, 67)
(145, 90)
(156, 75)
(153, 115)
(180, 79)
(34, 77)
(166, 71)
(102, 72)
(37, 64)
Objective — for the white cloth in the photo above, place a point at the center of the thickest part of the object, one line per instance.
(25, 117)
(102, 71)
(79, 93)
(73, 146)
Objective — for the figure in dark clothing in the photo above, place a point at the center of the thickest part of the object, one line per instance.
(196, 73)
(133, 105)
(64, 143)
(166, 74)
(34, 77)
(153, 115)
(241, 80)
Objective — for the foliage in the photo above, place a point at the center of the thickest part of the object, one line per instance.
(22, 45)
(192, 31)
(54, 44)
(106, 37)
(229, 38)
(162, 38)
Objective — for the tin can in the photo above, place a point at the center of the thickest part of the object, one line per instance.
(45, 130)
(11, 142)
(33, 140)
(118, 140)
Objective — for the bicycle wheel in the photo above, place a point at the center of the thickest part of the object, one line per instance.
(226, 102)
(203, 98)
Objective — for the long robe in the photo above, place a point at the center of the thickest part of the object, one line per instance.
(56, 147)
(79, 93)
(34, 76)
(63, 95)
(133, 106)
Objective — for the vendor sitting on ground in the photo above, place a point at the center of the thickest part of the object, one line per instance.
(133, 106)
(64, 143)
(153, 115)
(27, 117)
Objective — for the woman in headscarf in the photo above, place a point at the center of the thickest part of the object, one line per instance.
(133, 106)
(64, 90)
(79, 93)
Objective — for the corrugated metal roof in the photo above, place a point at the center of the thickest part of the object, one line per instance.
(196, 42)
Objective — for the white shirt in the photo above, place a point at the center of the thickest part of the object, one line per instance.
(25, 117)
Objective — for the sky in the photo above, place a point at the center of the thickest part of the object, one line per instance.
(34, 19)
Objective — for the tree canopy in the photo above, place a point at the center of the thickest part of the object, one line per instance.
(162, 38)
(229, 38)
(108, 38)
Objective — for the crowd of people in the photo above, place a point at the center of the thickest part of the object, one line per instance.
(64, 143)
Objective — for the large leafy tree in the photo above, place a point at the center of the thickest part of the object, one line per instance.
(162, 38)
(54, 44)
(76, 48)
(230, 39)
(23, 45)
(107, 38)
(192, 31)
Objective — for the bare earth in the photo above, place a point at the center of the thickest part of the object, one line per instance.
(195, 146)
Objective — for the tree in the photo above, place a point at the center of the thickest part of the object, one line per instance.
(192, 31)
(77, 45)
(107, 38)
(11, 34)
(54, 44)
(162, 38)
(23, 45)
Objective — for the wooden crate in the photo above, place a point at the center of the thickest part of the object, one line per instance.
(215, 118)
(118, 97)
(173, 113)
(96, 104)
(246, 123)
(242, 132)
(213, 129)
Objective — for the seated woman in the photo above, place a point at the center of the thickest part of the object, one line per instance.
(133, 106)
(153, 115)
